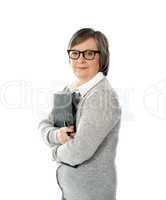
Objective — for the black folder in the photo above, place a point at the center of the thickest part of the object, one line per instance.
(64, 110)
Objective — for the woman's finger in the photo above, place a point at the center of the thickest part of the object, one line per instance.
(68, 138)
(69, 129)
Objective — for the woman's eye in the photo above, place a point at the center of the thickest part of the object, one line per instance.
(89, 53)
(75, 53)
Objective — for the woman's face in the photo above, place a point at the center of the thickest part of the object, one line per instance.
(82, 68)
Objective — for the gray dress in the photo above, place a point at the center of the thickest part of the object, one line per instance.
(86, 164)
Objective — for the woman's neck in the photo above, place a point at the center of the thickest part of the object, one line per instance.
(79, 81)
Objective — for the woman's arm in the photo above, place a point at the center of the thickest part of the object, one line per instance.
(48, 131)
(100, 114)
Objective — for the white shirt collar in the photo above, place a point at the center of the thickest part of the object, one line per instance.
(85, 87)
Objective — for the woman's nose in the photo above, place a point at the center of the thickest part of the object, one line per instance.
(81, 58)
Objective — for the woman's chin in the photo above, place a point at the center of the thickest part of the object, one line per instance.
(81, 72)
(81, 75)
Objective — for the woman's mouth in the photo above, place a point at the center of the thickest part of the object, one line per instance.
(81, 67)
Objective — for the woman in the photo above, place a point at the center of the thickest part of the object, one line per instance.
(86, 158)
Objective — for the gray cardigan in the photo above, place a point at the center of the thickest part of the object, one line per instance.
(87, 169)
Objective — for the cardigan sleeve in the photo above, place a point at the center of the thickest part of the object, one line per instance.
(47, 129)
(99, 115)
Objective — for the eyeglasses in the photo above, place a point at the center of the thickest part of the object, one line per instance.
(87, 54)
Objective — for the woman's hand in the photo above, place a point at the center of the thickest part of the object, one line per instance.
(63, 136)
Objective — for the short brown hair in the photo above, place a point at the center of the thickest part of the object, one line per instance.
(101, 42)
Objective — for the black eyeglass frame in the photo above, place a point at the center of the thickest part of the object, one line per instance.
(83, 53)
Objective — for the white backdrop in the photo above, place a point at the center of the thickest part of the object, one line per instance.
(34, 63)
